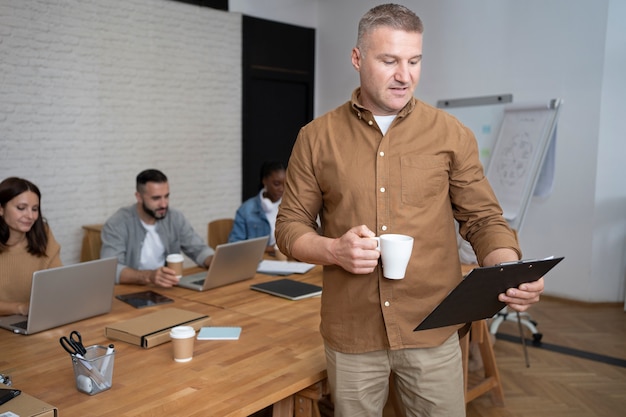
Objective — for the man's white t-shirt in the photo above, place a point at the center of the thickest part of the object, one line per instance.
(152, 249)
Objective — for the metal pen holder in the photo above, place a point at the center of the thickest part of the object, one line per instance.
(94, 370)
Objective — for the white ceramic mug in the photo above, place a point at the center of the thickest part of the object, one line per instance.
(395, 252)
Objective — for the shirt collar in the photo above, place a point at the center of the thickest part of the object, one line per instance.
(363, 113)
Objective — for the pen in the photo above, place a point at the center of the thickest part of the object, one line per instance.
(107, 359)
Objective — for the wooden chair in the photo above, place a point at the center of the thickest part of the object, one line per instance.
(92, 242)
(490, 381)
(303, 403)
(218, 231)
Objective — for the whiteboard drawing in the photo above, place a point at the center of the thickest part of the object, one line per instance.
(517, 145)
(518, 156)
(513, 165)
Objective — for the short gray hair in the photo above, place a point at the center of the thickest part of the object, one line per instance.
(390, 15)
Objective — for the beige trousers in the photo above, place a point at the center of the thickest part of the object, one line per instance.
(429, 381)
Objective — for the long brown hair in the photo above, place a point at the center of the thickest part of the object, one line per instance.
(37, 237)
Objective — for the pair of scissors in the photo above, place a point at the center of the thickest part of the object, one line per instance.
(73, 344)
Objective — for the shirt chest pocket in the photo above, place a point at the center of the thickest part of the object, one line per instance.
(423, 177)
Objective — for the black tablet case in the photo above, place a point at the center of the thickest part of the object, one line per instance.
(288, 288)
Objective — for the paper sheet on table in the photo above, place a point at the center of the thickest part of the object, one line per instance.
(283, 267)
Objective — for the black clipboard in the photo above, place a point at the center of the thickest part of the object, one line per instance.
(476, 297)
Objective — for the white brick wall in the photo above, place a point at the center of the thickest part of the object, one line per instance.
(92, 92)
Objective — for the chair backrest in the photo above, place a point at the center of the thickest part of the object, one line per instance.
(218, 231)
(92, 242)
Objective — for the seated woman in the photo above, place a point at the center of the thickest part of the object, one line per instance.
(256, 217)
(26, 244)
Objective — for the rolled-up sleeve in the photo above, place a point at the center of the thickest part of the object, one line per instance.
(302, 199)
(475, 204)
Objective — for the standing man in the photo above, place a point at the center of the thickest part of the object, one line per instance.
(385, 162)
(143, 234)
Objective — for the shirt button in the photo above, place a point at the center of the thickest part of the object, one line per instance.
(387, 303)
(384, 228)
(382, 189)
(382, 153)
(370, 123)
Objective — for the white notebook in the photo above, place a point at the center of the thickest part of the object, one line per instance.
(270, 267)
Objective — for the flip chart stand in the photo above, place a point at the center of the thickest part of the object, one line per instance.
(515, 159)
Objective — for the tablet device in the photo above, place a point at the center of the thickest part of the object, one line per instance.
(476, 297)
(144, 299)
(7, 394)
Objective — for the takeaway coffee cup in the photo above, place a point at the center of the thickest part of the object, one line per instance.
(182, 342)
(395, 252)
(175, 262)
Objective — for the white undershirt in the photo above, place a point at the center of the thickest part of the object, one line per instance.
(152, 249)
(384, 122)
(271, 210)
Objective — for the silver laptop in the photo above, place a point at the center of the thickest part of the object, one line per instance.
(66, 294)
(232, 262)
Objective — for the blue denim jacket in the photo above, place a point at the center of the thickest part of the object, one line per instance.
(250, 221)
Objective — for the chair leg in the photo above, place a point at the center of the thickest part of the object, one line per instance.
(491, 382)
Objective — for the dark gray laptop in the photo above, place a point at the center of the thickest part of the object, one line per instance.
(232, 262)
(66, 294)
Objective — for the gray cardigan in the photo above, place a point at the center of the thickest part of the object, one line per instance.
(123, 234)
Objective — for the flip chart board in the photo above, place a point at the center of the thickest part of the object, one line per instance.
(483, 115)
(513, 141)
(518, 156)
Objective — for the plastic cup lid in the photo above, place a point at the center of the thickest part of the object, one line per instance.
(174, 257)
(182, 332)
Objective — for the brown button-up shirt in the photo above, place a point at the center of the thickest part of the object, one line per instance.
(415, 180)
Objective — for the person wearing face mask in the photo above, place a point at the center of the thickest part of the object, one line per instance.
(140, 236)
(256, 217)
(26, 243)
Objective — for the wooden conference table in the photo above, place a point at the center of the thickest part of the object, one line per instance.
(279, 359)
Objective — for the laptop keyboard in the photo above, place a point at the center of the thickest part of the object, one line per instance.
(198, 282)
(21, 324)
